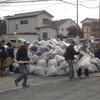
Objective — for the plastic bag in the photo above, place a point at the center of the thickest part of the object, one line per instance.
(52, 71)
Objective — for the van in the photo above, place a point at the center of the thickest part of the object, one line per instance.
(17, 42)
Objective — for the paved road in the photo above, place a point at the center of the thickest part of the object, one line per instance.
(60, 89)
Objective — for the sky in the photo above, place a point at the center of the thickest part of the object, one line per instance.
(59, 9)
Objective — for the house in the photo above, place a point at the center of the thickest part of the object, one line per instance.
(32, 25)
(63, 25)
(2, 27)
(90, 27)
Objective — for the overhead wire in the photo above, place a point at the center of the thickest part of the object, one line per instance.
(50, 6)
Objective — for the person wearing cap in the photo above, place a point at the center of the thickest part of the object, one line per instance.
(85, 49)
(22, 55)
(10, 51)
(69, 57)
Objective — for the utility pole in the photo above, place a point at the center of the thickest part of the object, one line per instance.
(77, 37)
(77, 17)
(99, 23)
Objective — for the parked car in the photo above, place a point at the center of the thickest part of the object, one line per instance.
(17, 42)
(81, 41)
(96, 40)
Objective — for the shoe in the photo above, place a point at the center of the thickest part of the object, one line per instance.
(72, 79)
(26, 85)
(16, 84)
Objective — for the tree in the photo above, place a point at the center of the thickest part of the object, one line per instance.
(72, 31)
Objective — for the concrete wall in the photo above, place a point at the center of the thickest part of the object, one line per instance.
(52, 33)
(22, 28)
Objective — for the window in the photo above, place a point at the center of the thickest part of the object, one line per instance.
(16, 26)
(24, 22)
(62, 29)
(45, 21)
(45, 35)
(84, 28)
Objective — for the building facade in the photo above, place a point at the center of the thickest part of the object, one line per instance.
(90, 27)
(2, 27)
(33, 25)
(63, 26)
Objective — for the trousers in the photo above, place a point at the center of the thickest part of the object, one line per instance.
(23, 74)
(80, 72)
(71, 69)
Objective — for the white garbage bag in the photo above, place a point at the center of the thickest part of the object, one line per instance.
(30, 56)
(93, 61)
(93, 68)
(84, 62)
(52, 62)
(61, 72)
(35, 58)
(59, 58)
(52, 71)
(59, 52)
(52, 54)
(63, 65)
(30, 68)
(42, 63)
(16, 67)
(38, 70)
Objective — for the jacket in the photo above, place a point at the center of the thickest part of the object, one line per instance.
(10, 51)
(22, 54)
(70, 52)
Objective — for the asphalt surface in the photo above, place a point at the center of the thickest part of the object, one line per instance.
(53, 88)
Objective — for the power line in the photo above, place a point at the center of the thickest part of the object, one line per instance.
(56, 3)
(80, 5)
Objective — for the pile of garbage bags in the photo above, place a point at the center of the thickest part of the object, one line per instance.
(49, 59)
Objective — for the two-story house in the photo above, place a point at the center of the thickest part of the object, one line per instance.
(90, 27)
(63, 25)
(32, 25)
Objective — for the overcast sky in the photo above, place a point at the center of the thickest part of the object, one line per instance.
(59, 9)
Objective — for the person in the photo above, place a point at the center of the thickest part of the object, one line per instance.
(69, 57)
(97, 53)
(10, 51)
(3, 56)
(84, 48)
(22, 55)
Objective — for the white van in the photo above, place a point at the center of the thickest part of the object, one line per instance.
(17, 42)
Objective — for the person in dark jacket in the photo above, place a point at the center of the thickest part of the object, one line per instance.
(97, 53)
(22, 55)
(69, 57)
(3, 56)
(10, 51)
